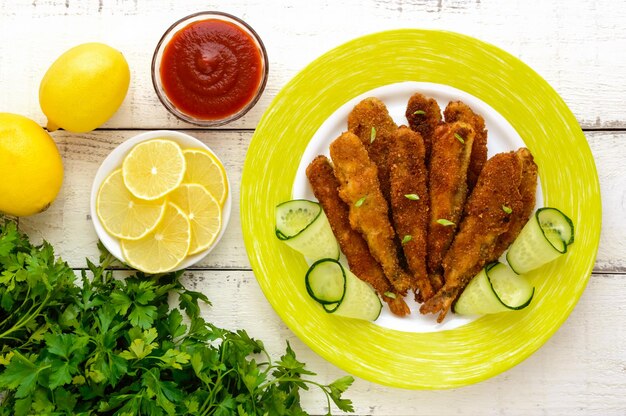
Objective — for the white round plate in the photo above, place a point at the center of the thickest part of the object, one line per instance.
(114, 161)
(502, 137)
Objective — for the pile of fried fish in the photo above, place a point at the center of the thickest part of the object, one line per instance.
(420, 207)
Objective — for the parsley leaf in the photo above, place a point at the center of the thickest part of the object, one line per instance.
(445, 222)
(337, 388)
(115, 346)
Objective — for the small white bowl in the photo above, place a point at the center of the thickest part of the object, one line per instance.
(114, 161)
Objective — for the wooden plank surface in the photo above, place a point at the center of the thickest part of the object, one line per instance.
(577, 372)
(577, 46)
(68, 226)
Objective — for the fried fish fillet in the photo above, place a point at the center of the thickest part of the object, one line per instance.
(484, 223)
(424, 115)
(447, 190)
(528, 192)
(459, 111)
(362, 264)
(371, 122)
(409, 204)
(360, 190)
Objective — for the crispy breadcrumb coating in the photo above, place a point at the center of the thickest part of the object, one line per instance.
(360, 190)
(485, 221)
(362, 264)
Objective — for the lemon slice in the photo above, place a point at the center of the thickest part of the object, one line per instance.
(203, 211)
(163, 248)
(153, 168)
(204, 169)
(123, 215)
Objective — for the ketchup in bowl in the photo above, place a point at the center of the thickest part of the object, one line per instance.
(209, 68)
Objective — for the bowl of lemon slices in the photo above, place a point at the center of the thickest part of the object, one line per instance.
(161, 201)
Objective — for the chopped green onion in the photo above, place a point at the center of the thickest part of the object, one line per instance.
(359, 202)
(421, 112)
(506, 209)
(412, 197)
(373, 135)
(390, 295)
(444, 222)
(406, 239)
(459, 138)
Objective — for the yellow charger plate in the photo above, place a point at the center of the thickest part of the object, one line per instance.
(434, 360)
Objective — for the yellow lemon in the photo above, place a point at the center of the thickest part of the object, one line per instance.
(204, 169)
(153, 168)
(31, 169)
(123, 215)
(84, 87)
(203, 211)
(163, 248)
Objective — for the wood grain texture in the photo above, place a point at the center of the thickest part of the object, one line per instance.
(577, 372)
(575, 46)
(67, 225)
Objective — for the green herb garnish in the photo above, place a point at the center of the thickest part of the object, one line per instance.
(360, 202)
(412, 197)
(406, 239)
(444, 222)
(390, 295)
(506, 209)
(421, 112)
(114, 346)
(373, 135)
(459, 138)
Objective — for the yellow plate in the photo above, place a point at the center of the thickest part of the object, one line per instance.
(569, 181)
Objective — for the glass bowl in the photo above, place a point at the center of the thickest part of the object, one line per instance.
(203, 63)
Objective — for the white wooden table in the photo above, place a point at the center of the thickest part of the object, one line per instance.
(578, 46)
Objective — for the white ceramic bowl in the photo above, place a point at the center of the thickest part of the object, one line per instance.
(114, 161)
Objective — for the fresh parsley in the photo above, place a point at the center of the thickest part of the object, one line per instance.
(445, 222)
(115, 346)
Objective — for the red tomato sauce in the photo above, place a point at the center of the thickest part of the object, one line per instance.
(211, 69)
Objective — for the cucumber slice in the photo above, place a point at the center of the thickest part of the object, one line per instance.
(544, 238)
(360, 301)
(512, 290)
(341, 292)
(478, 298)
(556, 224)
(326, 282)
(303, 226)
(330, 307)
(494, 289)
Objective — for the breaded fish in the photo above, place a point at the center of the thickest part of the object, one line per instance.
(409, 204)
(360, 190)
(484, 223)
(447, 190)
(528, 192)
(362, 264)
(459, 111)
(371, 122)
(424, 115)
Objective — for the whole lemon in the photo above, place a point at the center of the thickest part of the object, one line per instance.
(30, 166)
(84, 87)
